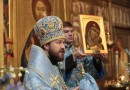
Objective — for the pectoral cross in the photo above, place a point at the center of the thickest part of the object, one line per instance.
(54, 81)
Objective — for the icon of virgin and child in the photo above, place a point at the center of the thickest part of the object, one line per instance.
(92, 36)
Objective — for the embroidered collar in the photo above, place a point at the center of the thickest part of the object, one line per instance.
(67, 46)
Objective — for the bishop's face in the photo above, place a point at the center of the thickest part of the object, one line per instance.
(56, 49)
(40, 10)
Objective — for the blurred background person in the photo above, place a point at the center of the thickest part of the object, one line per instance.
(123, 59)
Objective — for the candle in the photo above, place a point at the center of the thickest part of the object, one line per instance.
(116, 61)
(122, 78)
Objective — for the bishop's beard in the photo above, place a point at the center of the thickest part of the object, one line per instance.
(55, 57)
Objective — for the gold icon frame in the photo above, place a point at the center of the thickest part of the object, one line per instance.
(84, 20)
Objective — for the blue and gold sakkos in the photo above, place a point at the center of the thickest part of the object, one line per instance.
(42, 76)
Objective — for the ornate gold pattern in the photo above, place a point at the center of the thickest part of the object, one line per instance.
(52, 26)
(54, 80)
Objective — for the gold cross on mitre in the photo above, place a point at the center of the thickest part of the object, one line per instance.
(54, 80)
